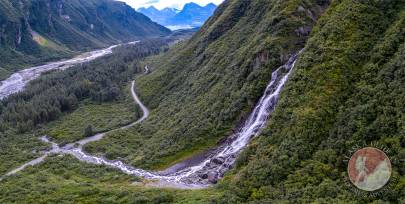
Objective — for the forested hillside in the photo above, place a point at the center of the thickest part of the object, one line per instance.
(53, 96)
(347, 89)
(34, 31)
(202, 89)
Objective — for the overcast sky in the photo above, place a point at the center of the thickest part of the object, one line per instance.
(160, 4)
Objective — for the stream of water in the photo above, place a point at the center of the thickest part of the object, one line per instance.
(17, 81)
(211, 167)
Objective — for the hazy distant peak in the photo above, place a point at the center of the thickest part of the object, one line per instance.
(167, 9)
(191, 5)
(152, 8)
(149, 9)
(212, 5)
(192, 15)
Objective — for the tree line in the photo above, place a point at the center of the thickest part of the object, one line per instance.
(54, 93)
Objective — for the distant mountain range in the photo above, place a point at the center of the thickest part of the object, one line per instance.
(192, 15)
(35, 31)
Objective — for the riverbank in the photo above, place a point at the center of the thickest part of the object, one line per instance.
(17, 81)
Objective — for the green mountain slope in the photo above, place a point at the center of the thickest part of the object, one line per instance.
(33, 31)
(201, 90)
(348, 90)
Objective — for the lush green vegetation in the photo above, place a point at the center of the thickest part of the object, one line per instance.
(16, 149)
(101, 117)
(99, 85)
(200, 90)
(65, 180)
(35, 31)
(347, 90)
(4, 73)
(48, 97)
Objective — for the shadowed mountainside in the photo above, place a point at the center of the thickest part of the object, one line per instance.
(34, 31)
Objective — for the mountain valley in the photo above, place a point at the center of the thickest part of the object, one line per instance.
(36, 31)
(262, 104)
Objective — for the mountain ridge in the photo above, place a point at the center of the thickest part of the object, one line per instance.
(34, 31)
(247, 54)
(346, 90)
(191, 15)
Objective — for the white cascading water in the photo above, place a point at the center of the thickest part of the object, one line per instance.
(212, 167)
(17, 81)
(219, 161)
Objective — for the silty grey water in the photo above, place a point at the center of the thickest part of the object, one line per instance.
(17, 81)
(209, 169)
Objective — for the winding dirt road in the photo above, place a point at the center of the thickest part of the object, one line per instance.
(210, 167)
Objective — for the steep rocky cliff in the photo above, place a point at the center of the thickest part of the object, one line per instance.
(33, 31)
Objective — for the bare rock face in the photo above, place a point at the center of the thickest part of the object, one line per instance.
(303, 30)
(48, 6)
(213, 177)
(218, 160)
(204, 176)
(315, 12)
(19, 35)
(3, 33)
(301, 9)
(261, 59)
(60, 8)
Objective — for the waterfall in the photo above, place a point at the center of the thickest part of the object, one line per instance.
(210, 169)
(214, 167)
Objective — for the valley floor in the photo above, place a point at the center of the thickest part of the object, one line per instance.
(63, 179)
